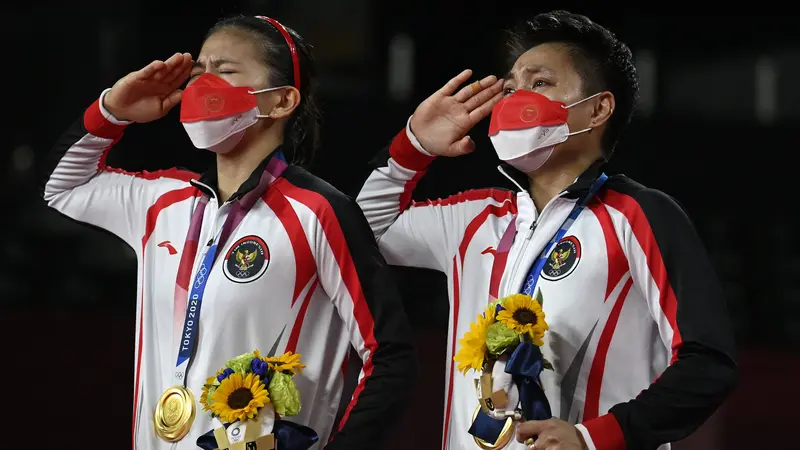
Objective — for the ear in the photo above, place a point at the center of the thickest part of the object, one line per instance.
(288, 100)
(603, 109)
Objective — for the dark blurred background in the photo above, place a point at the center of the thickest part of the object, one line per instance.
(716, 129)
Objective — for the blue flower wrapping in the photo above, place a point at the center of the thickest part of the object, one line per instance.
(288, 436)
(486, 428)
(525, 365)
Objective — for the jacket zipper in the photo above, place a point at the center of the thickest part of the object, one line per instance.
(527, 241)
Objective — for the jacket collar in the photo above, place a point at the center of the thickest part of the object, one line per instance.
(209, 178)
(581, 184)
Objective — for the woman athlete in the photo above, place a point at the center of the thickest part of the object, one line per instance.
(255, 254)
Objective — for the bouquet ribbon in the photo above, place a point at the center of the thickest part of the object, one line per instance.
(525, 364)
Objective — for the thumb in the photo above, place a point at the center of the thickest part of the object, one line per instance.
(171, 100)
(462, 147)
(531, 428)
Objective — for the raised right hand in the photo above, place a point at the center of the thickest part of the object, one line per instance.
(442, 121)
(150, 93)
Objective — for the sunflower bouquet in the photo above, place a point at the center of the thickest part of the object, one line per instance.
(246, 399)
(503, 347)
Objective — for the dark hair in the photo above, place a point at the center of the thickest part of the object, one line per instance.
(602, 61)
(302, 129)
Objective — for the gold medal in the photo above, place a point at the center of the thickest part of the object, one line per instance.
(174, 414)
(502, 440)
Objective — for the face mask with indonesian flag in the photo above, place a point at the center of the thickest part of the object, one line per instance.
(216, 114)
(525, 128)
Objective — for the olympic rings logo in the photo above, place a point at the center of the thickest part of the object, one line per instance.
(201, 276)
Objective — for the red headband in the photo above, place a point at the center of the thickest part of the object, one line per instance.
(292, 48)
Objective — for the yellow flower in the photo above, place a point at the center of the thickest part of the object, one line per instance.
(524, 315)
(472, 347)
(204, 394)
(239, 398)
(287, 362)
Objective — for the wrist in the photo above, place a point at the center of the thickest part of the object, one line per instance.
(406, 153)
(602, 433)
(413, 138)
(100, 122)
(584, 446)
(110, 112)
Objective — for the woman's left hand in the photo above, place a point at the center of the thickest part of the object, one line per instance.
(553, 434)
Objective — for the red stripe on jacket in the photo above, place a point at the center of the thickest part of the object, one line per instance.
(638, 222)
(335, 237)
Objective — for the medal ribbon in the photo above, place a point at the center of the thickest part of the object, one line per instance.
(187, 302)
(536, 270)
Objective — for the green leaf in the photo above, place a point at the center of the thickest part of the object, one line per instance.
(547, 365)
(284, 395)
(499, 338)
(241, 364)
(539, 297)
(210, 398)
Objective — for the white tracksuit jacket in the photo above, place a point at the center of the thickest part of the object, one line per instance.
(318, 287)
(639, 335)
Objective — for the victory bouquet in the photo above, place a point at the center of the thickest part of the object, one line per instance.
(246, 400)
(502, 345)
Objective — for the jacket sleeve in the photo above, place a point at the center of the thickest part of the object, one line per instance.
(80, 185)
(355, 276)
(670, 267)
(419, 234)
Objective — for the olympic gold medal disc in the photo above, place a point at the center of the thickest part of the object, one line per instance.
(502, 440)
(174, 414)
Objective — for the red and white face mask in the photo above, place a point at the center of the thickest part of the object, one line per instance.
(216, 114)
(525, 128)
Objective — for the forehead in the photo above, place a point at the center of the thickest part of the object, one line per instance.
(551, 58)
(231, 45)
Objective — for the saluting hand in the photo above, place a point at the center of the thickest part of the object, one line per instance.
(442, 121)
(150, 93)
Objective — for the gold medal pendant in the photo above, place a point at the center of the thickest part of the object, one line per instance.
(174, 414)
(502, 440)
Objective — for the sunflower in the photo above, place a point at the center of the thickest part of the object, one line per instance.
(204, 400)
(524, 315)
(239, 398)
(472, 347)
(287, 362)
